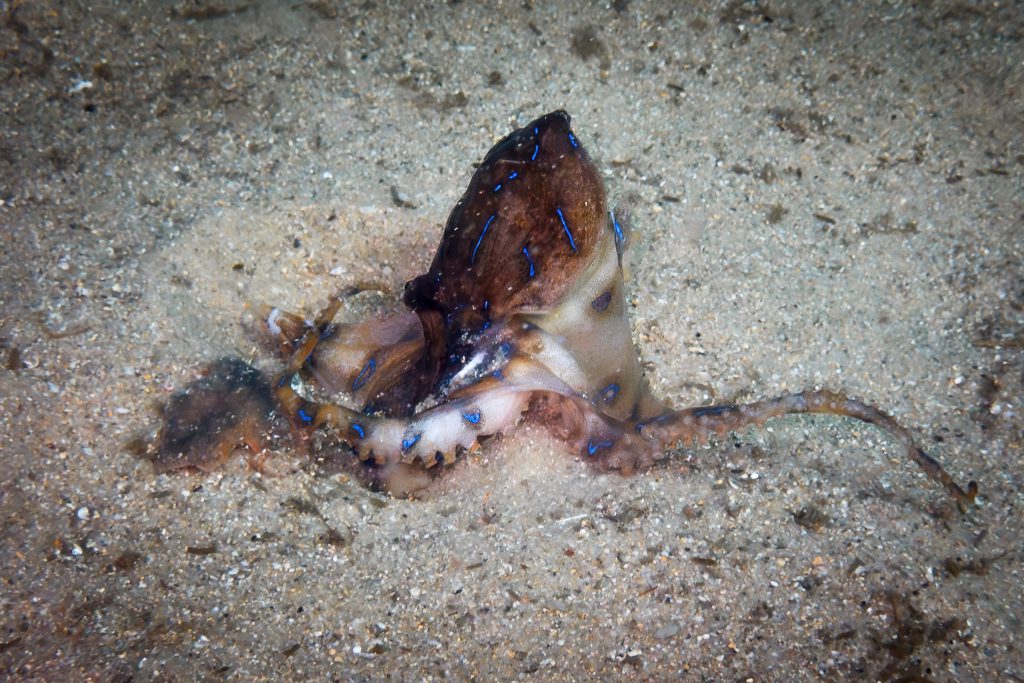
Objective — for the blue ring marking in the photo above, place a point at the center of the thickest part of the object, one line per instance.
(618, 228)
(536, 130)
(565, 226)
(409, 443)
(472, 259)
(365, 374)
(713, 411)
(506, 348)
(487, 304)
(609, 392)
(536, 150)
(513, 175)
(657, 418)
(486, 325)
(358, 429)
(497, 374)
(595, 447)
(472, 418)
(497, 187)
(572, 140)
(526, 253)
(304, 416)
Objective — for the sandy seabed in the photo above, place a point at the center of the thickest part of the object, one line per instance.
(822, 194)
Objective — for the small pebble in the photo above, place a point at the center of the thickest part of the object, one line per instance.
(666, 631)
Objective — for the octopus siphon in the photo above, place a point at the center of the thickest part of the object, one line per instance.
(522, 313)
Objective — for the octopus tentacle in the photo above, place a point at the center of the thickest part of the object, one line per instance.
(396, 446)
(487, 407)
(671, 428)
(370, 361)
(297, 336)
(431, 437)
(402, 454)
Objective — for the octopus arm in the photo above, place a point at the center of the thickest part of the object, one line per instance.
(684, 427)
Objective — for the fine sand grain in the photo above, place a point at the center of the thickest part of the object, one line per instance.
(822, 194)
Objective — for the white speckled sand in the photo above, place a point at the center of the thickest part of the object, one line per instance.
(823, 194)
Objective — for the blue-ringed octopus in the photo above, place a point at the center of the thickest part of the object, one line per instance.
(522, 312)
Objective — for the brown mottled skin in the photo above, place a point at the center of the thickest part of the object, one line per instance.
(560, 177)
(522, 311)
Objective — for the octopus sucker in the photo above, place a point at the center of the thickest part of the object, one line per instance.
(522, 314)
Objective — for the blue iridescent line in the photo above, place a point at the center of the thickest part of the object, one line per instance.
(472, 259)
(526, 253)
(565, 226)
(365, 374)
